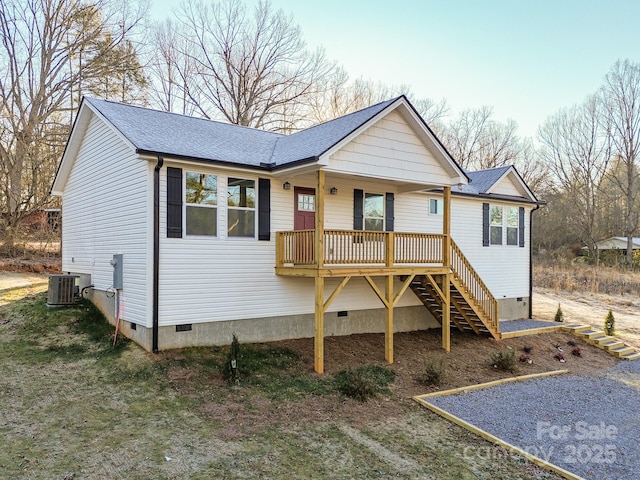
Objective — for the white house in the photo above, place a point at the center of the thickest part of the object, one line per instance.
(617, 243)
(361, 224)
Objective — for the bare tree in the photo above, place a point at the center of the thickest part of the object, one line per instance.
(342, 96)
(433, 112)
(478, 142)
(253, 70)
(171, 71)
(621, 116)
(48, 49)
(465, 135)
(577, 151)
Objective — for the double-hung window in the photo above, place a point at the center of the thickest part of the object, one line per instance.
(241, 207)
(495, 230)
(512, 225)
(201, 204)
(373, 211)
(505, 225)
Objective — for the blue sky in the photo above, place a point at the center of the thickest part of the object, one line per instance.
(527, 59)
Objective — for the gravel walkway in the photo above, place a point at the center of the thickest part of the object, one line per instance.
(587, 425)
(525, 324)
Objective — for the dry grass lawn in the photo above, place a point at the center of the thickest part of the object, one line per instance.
(74, 404)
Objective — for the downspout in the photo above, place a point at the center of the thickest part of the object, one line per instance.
(156, 251)
(531, 260)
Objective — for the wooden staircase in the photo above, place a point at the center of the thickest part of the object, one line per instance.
(472, 307)
(603, 341)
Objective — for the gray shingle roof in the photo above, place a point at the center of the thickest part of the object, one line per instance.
(178, 135)
(482, 180)
(158, 132)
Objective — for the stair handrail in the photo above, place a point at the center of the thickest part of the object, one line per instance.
(469, 278)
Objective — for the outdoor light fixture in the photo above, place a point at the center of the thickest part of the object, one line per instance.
(333, 191)
(286, 186)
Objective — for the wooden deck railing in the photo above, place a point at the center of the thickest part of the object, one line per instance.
(349, 247)
(357, 247)
(464, 272)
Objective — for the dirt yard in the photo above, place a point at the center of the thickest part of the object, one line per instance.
(591, 308)
(468, 363)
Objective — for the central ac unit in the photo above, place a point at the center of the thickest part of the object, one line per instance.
(63, 290)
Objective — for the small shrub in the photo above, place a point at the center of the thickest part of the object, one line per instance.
(524, 358)
(576, 352)
(504, 360)
(572, 343)
(559, 315)
(609, 324)
(364, 382)
(434, 371)
(527, 349)
(230, 368)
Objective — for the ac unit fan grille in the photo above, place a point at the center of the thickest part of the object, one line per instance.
(62, 290)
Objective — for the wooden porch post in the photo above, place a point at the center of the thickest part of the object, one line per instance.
(446, 261)
(388, 331)
(319, 226)
(446, 227)
(318, 345)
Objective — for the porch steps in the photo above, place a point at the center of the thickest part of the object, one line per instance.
(464, 314)
(608, 343)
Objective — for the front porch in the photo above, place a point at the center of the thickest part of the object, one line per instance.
(431, 265)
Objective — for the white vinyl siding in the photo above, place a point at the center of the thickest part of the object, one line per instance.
(214, 279)
(390, 149)
(508, 186)
(506, 270)
(105, 210)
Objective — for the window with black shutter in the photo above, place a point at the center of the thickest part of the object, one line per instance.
(264, 209)
(174, 202)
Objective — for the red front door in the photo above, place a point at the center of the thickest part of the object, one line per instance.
(304, 208)
(304, 219)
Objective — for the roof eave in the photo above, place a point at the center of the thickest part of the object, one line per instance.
(72, 145)
(264, 167)
(494, 196)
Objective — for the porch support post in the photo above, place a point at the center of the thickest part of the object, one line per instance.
(319, 226)
(446, 262)
(446, 227)
(318, 344)
(446, 312)
(388, 331)
(319, 281)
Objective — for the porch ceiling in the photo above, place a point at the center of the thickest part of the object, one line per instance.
(401, 186)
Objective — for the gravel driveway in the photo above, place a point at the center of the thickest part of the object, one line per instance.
(587, 425)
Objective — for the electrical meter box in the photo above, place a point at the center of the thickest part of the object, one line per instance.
(117, 271)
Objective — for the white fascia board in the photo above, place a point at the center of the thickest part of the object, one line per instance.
(196, 165)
